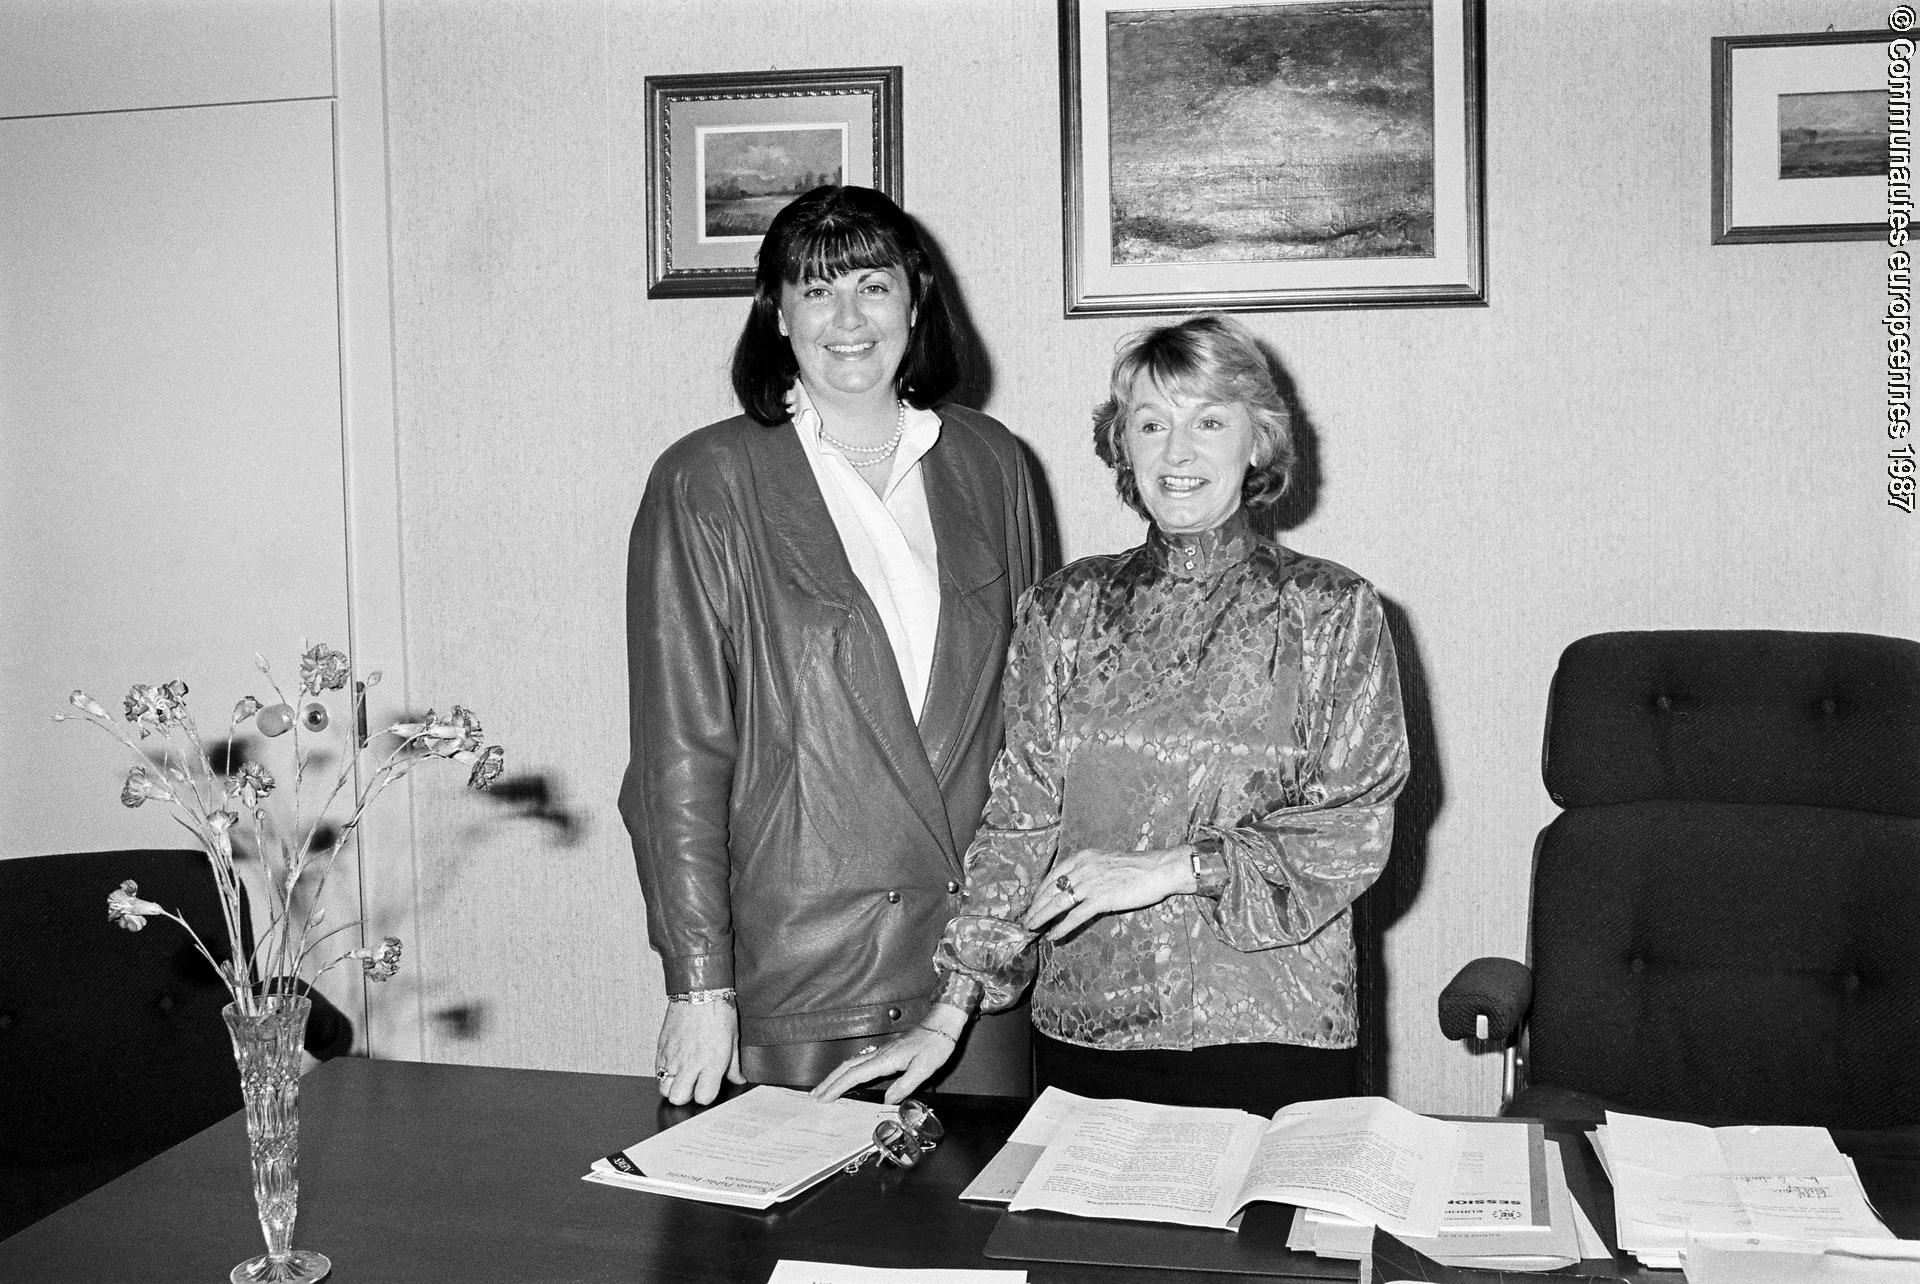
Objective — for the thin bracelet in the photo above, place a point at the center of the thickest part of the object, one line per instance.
(703, 996)
(943, 1034)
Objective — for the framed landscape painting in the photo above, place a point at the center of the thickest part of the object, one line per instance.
(1800, 137)
(726, 152)
(1271, 154)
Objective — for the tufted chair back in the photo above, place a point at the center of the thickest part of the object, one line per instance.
(1726, 915)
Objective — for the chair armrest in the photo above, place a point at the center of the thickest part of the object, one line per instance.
(1499, 989)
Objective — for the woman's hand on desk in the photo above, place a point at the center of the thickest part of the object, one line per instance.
(1091, 882)
(914, 1057)
(699, 1049)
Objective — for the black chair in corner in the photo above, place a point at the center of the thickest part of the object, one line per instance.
(1726, 914)
(111, 1044)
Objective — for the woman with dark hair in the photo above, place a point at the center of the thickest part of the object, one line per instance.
(819, 598)
(1204, 744)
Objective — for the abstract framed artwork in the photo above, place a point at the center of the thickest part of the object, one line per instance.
(1271, 154)
(1800, 137)
(726, 151)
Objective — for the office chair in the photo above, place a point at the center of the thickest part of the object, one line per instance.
(1726, 914)
(111, 1044)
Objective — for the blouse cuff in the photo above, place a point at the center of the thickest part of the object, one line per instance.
(1209, 865)
(962, 992)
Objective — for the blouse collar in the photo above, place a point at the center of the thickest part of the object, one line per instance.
(1201, 554)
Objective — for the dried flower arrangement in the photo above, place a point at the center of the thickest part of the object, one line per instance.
(213, 798)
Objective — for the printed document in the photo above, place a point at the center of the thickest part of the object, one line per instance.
(766, 1145)
(1362, 1157)
(1511, 1247)
(1675, 1180)
(1501, 1180)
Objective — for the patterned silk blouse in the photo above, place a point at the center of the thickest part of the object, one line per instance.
(1213, 686)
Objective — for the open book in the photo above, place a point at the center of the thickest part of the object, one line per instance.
(764, 1146)
(1361, 1157)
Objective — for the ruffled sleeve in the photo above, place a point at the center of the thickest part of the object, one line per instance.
(1291, 869)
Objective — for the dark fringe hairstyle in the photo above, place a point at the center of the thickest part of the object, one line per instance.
(824, 234)
(1204, 357)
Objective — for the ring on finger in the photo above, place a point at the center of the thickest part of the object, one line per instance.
(868, 1051)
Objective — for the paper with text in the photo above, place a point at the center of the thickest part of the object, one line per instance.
(1363, 1157)
(1140, 1162)
(1512, 1248)
(1675, 1180)
(1501, 1181)
(753, 1151)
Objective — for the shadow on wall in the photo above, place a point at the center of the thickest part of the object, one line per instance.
(537, 797)
(976, 364)
(975, 389)
(1303, 488)
(541, 799)
(1390, 897)
(1375, 913)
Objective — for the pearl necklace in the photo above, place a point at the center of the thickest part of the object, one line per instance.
(878, 454)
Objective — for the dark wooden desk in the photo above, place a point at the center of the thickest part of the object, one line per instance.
(413, 1173)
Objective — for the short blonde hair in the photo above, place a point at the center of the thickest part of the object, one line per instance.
(1206, 357)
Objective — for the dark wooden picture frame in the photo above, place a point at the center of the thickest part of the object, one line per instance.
(1793, 124)
(726, 150)
(1176, 198)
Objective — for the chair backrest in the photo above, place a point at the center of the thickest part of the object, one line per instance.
(1726, 915)
(110, 1041)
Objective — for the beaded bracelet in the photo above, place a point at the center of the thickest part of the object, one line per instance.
(703, 996)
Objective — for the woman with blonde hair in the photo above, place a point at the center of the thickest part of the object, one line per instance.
(1204, 745)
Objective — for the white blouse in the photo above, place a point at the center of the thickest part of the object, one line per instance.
(888, 537)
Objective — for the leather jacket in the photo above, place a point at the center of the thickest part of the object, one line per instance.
(798, 837)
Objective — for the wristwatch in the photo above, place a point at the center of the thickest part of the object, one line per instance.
(1208, 876)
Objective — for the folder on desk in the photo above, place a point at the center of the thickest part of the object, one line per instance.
(1259, 1249)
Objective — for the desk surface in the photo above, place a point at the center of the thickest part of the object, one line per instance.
(412, 1172)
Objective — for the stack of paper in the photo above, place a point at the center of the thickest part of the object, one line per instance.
(1845, 1261)
(1502, 1163)
(1673, 1182)
(766, 1145)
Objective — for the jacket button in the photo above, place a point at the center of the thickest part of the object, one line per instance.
(893, 1014)
(893, 898)
(953, 888)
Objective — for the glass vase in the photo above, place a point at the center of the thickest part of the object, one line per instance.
(267, 1044)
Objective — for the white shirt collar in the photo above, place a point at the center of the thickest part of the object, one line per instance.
(920, 429)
